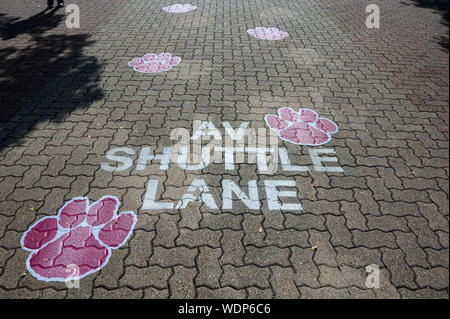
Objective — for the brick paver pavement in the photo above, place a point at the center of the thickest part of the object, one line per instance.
(68, 97)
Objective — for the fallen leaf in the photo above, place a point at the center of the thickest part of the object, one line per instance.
(314, 248)
(33, 209)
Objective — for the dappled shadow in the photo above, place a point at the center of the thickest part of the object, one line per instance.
(440, 6)
(39, 23)
(42, 78)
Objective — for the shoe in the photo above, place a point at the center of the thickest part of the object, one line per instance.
(50, 3)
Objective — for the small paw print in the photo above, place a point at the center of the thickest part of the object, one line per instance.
(152, 63)
(79, 235)
(302, 128)
(179, 8)
(267, 33)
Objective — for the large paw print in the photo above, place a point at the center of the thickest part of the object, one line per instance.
(303, 127)
(179, 8)
(267, 33)
(79, 235)
(152, 63)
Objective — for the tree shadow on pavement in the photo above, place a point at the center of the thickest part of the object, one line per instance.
(440, 6)
(44, 75)
(37, 24)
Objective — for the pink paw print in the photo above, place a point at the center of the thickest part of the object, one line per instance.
(303, 127)
(267, 33)
(179, 8)
(152, 63)
(80, 235)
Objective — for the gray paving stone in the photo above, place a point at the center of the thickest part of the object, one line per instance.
(209, 267)
(168, 257)
(141, 248)
(166, 231)
(232, 247)
(181, 284)
(324, 253)
(201, 237)
(221, 221)
(50, 293)
(282, 281)
(387, 290)
(402, 275)
(325, 292)
(154, 276)
(120, 293)
(358, 257)
(153, 293)
(414, 254)
(109, 276)
(354, 218)
(342, 277)
(245, 276)
(425, 236)
(221, 293)
(340, 235)
(388, 207)
(425, 293)
(434, 278)
(356, 293)
(387, 223)
(374, 239)
(286, 238)
(256, 293)
(305, 221)
(437, 257)
(266, 256)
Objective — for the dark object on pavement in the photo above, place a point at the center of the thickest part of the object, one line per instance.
(50, 3)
